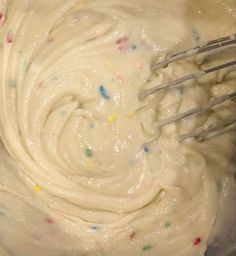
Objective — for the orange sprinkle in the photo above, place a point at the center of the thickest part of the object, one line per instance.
(120, 77)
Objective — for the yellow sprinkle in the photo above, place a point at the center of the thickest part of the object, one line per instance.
(110, 66)
(81, 4)
(112, 118)
(130, 114)
(90, 165)
(37, 188)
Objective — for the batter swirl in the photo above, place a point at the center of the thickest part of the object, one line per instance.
(86, 171)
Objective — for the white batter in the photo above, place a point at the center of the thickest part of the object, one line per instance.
(79, 176)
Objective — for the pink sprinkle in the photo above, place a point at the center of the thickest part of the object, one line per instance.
(50, 39)
(9, 37)
(36, 237)
(123, 43)
(197, 241)
(40, 84)
(122, 40)
(132, 235)
(2, 18)
(138, 64)
(49, 220)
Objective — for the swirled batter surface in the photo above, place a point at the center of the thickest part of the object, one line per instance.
(84, 170)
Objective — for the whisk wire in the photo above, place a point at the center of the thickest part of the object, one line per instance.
(228, 124)
(228, 41)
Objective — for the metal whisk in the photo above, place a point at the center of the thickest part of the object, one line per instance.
(224, 126)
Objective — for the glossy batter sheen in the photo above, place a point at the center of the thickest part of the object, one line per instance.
(84, 170)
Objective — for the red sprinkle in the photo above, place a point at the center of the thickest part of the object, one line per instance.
(197, 241)
(9, 37)
(132, 235)
(49, 220)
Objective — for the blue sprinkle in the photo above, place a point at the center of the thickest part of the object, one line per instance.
(196, 35)
(95, 227)
(146, 149)
(104, 92)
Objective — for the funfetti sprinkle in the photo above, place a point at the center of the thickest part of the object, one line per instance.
(147, 247)
(10, 37)
(90, 165)
(37, 188)
(123, 43)
(167, 224)
(197, 241)
(89, 152)
(103, 91)
(138, 64)
(50, 39)
(130, 114)
(112, 118)
(120, 77)
(2, 18)
(95, 227)
(49, 220)
(40, 84)
(12, 83)
(132, 235)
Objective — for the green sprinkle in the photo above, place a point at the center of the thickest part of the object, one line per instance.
(181, 90)
(167, 224)
(134, 46)
(27, 66)
(12, 83)
(89, 152)
(63, 112)
(147, 247)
